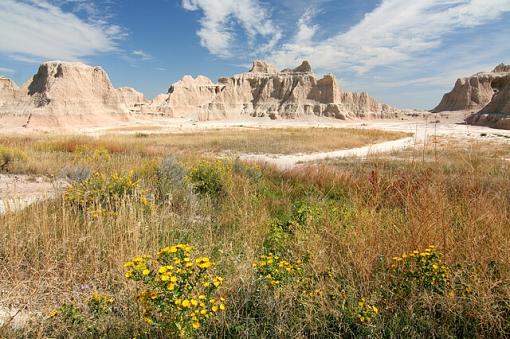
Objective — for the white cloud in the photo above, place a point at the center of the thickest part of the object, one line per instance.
(395, 31)
(141, 54)
(221, 17)
(37, 29)
(7, 70)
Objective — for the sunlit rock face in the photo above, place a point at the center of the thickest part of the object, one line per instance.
(265, 91)
(487, 94)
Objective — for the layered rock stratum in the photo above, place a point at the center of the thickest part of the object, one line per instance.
(63, 93)
(486, 94)
(264, 91)
(70, 93)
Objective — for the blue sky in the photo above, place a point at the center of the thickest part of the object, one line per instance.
(405, 53)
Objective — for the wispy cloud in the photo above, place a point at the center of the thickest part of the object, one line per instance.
(141, 54)
(221, 18)
(395, 31)
(37, 29)
(7, 70)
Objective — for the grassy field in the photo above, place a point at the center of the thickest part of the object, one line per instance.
(387, 247)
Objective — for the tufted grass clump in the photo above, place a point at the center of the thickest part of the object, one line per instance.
(179, 293)
(92, 154)
(9, 155)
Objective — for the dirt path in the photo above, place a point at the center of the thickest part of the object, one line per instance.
(20, 191)
(424, 134)
(284, 162)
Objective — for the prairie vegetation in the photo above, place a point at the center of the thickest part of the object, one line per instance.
(149, 241)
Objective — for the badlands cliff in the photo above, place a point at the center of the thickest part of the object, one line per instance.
(263, 91)
(63, 93)
(486, 94)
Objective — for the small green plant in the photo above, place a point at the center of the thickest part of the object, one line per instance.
(178, 293)
(99, 304)
(275, 270)
(69, 313)
(304, 212)
(208, 178)
(366, 312)
(423, 270)
(8, 155)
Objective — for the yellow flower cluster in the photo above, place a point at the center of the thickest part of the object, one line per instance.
(101, 192)
(137, 268)
(201, 308)
(99, 303)
(365, 311)
(425, 268)
(275, 269)
(179, 292)
(100, 297)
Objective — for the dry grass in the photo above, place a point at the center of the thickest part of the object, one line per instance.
(284, 140)
(345, 219)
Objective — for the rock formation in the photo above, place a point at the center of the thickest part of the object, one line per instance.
(8, 91)
(486, 94)
(263, 91)
(74, 94)
(71, 90)
(186, 96)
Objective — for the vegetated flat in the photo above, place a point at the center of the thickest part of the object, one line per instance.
(345, 224)
(265, 140)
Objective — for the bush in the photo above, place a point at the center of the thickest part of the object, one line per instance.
(170, 177)
(101, 192)
(9, 155)
(208, 178)
(75, 173)
(178, 294)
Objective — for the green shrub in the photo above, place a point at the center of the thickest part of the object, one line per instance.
(208, 178)
(420, 270)
(102, 192)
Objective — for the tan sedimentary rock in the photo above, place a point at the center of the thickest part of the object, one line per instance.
(8, 91)
(501, 68)
(187, 97)
(134, 100)
(263, 91)
(63, 93)
(260, 66)
(486, 94)
(474, 92)
(496, 113)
